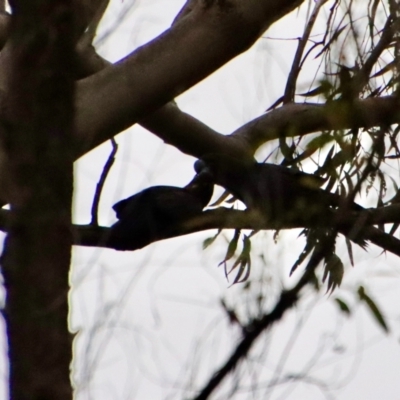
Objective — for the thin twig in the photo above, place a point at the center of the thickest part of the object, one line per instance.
(287, 300)
(100, 184)
(388, 31)
(297, 61)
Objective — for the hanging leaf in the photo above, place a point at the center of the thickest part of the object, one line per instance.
(232, 246)
(343, 191)
(341, 158)
(324, 88)
(276, 104)
(350, 251)
(319, 142)
(244, 268)
(334, 271)
(343, 306)
(373, 308)
(349, 182)
(376, 92)
(224, 196)
(327, 167)
(210, 240)
(310, 245)
(244, 262)
(286, 150)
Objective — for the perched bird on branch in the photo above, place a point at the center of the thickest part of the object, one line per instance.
(154, 212)
(280, 193)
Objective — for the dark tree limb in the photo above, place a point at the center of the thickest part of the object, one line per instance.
(195, 138)
(36, 134)
(290, 120)
(300, 119)
(358, 225)
(117, 97)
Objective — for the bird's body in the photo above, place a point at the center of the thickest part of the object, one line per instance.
(280, 193)
(156, 211)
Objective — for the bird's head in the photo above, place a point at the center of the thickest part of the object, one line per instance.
(226, 171)
(202, 186)
(219, 165)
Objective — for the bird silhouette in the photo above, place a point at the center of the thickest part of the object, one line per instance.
(157, 211)
(282, 194)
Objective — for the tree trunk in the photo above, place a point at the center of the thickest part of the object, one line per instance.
(36, 132)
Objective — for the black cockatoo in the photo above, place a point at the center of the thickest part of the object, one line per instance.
(280, 193)
(156, 211)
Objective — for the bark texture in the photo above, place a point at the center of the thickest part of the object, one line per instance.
(36, 133)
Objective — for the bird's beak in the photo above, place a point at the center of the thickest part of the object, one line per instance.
(203, 177)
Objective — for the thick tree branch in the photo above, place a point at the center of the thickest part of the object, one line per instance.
(169, 123)
(188, 7)
(359, 225)
(190, 135)
(193, 137)
(300, 119)
(120, 95)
